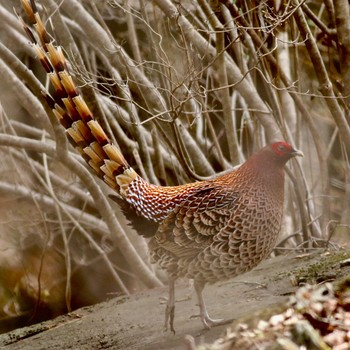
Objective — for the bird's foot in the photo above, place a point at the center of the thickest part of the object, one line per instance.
(210, 322)
(169, 318)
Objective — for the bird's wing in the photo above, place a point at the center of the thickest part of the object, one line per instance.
(144, 227)
(193, 224)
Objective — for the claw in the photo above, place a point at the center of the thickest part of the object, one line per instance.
(208, 322)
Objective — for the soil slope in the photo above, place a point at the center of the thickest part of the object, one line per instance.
(136, 322)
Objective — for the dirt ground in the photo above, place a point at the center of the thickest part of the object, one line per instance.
(136, 322)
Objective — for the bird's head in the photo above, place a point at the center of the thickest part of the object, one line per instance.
(271, 159)
(275, 154)
(264, 168)
(283, 151)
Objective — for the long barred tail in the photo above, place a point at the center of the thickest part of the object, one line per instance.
(83, 131)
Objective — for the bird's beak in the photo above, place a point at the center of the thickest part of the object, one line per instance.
(297, 153)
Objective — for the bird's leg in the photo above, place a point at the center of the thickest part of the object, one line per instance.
(207, 321)
(170, 306)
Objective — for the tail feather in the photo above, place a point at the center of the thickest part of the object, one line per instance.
(72, 112)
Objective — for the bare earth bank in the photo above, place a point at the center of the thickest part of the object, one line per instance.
(136, 322)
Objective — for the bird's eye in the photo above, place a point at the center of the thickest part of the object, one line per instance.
(281, 147)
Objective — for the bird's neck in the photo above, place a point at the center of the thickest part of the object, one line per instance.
(261, 174)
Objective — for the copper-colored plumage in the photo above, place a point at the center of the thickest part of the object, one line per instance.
(207, 231)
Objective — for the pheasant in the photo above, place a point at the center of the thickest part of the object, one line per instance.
(206, 231)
